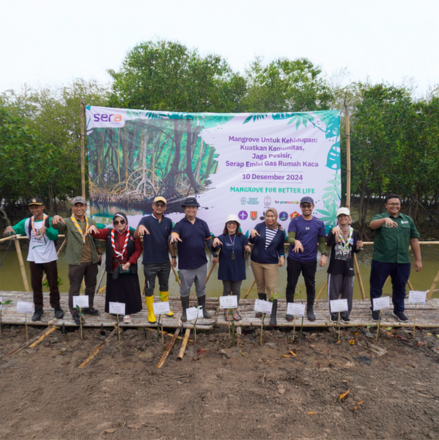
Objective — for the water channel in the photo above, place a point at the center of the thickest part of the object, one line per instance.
(10, 275)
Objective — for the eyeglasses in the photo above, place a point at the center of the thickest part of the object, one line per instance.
(305, 205)
(232, 223)
(117, 222)
(160, 205)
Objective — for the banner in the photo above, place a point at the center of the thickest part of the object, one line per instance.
(232, 163)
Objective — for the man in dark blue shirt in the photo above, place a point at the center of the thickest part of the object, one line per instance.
(192, 234)
(156, 229)
(304, 232)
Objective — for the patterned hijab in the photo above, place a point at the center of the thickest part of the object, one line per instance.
(275, 225)
(124, 216)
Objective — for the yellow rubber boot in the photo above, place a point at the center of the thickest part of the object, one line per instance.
(164, 296)
(149, 304)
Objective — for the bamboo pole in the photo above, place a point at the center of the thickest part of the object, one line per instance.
(410, 285)
(22, 268)
(59, 251)
(82, 150)
(41, 338)
(184, 344)
(248, 291)
(35, 338)
(168, 348)
(166, 333)
(433, 286)
(175, 273)
(360, 281)
(100, 280)
(322, 289)
(348, 158)
(97, 350)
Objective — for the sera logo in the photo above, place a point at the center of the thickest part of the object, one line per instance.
(105, 117)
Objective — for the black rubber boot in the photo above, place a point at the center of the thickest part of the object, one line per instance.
(202, 303)
(37, 314)
(185, 304)
(262, 296)
(310, 308)
(290, 299)
(59, 314)
(273, 321)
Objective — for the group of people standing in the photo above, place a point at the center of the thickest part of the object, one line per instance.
(306, 236)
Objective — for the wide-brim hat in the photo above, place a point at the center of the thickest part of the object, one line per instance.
(190, 201)
(233, 218)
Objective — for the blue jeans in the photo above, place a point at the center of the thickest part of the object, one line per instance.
(399, 273)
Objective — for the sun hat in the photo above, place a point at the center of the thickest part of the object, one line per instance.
(233, 218)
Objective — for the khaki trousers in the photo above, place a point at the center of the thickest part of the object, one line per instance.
(266, 277)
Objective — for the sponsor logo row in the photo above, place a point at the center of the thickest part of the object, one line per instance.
(267, 201)
(283, 216)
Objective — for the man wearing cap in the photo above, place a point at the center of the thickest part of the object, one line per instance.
(192, 234)
(304, 232)
(394, 233)
(156, 230)
(83, 253)
(41, 256)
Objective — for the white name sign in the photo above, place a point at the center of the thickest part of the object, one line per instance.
(25, 307)
(117, 308)
(381, 303)
(296, 309)
(417, 297)
(263, 306)
(81, 301)
(228, 302)
(161, 308)
(193, 313)
(339, 305)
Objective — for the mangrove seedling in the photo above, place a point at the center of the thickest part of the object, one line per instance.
(80, 320)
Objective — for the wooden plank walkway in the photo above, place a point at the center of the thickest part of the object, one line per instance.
(427, 316)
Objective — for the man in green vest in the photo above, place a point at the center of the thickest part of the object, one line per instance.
(83, 253)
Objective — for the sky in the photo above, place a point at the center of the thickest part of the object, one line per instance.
(48, 43)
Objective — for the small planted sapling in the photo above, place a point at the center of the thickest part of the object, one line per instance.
(80, 320)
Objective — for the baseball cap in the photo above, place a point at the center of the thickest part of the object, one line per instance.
(78, 199)
(35, 201)
(307, 200)
(344, 211)
(160, 199)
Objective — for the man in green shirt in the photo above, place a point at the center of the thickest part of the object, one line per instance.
(394, 233)
(83, 254)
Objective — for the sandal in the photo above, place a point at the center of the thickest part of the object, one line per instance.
(127, 319)
(228, 316)
(236, 315)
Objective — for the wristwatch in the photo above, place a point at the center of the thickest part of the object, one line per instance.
(325, 254)
(173, 256)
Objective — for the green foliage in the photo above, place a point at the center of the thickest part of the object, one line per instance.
(164, 75)
(59, 281)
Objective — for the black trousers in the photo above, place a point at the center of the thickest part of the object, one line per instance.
(160, 270)
(88, 272)
(307, 269)
(36, 273)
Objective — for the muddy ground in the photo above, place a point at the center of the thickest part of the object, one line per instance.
(245, 392)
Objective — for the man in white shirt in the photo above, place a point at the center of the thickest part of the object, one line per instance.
(41, 256)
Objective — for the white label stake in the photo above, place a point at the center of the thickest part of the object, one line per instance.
(296, 309)
(228, 302)
(191, 313)
(25, 307)
(417, 297)
(161, 308)
(117, 308)
(81, 301)
(263, 306)
(381, 303)
(339, 305)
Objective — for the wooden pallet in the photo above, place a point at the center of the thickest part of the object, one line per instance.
(427, 316)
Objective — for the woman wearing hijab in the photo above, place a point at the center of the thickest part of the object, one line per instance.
(231, 261)
(123, 251)
(344, 240)
(267, 256)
